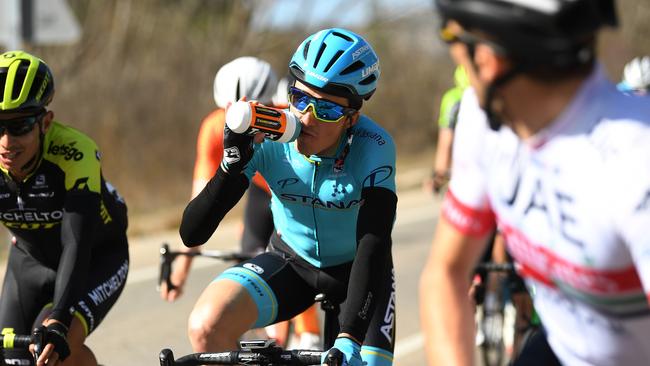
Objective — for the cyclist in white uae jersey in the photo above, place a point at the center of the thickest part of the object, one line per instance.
(560, 161)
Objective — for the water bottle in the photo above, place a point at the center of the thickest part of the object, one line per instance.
(276, 124)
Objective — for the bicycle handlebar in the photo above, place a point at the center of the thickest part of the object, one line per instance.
(273, 356)
(167, 257)
(9, 341)
(496, 267)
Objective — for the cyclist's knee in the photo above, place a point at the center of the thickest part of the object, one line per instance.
(224, 306)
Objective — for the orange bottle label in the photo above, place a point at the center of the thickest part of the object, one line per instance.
(268, 120)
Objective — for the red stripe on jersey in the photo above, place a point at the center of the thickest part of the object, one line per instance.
(468, 220)
(547, 267)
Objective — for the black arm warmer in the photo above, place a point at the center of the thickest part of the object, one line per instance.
(374, 226)
(204, 213)
(80, 219)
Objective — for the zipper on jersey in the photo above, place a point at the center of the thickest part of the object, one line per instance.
(14, 187)
(313, 206)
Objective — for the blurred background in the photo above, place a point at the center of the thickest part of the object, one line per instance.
(136, 75)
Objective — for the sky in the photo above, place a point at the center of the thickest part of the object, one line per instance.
(343, 13)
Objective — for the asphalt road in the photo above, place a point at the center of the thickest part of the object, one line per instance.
(141, 324)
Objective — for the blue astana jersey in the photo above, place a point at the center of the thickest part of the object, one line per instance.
(316, 201)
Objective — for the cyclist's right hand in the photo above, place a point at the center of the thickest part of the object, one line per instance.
(440, 179)
(177, 278)
(237, 151)
(350, 349)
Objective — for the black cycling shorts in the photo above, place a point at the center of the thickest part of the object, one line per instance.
(284, 285)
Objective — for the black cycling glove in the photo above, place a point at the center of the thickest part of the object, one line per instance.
(237, 151)
(54, 333)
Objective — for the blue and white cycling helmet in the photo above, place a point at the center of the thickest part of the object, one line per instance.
(339, 62)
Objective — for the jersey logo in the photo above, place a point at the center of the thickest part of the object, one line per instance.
(372, 135)
(81, 184)
(389, 316)
(39, 182)
(67, 150)
(254, 267)
(378, 176)
(318, 203)
(231, 155)
(287, 182)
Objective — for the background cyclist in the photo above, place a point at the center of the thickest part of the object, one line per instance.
(533, 159)
(69, 258)
(254, 79)
(636, 76)
(326, 241)
(446, 123)
(243, 77)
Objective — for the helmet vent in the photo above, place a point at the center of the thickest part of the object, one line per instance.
(323, 46)
(338, 34)
(3, 82)
(237, 90)
(358, 65)
(368, 80)
(333, 60)
(305, 50)
(19, 80)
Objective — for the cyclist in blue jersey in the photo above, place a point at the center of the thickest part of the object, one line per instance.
(333, 203)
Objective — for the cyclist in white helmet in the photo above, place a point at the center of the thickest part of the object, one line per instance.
(549, 150)
(243, 77)
(636, 77)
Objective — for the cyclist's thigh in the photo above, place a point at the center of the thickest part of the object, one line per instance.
(28, 286)
(104, 284)
(536, 352)
(276, 288)
(258, 220)
(379, 344)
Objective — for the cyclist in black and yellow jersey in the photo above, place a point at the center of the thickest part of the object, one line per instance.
(69, 257)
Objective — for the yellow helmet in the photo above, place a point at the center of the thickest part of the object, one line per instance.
(26, 82)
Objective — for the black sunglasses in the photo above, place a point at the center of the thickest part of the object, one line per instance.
(20, 126)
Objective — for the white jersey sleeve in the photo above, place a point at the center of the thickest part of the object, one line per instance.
(466, 204)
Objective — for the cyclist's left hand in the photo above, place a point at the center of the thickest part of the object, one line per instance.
(351, 352)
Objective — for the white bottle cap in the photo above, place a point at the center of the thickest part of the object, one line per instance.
(238, 117)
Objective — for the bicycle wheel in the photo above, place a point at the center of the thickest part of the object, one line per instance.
(492, 348)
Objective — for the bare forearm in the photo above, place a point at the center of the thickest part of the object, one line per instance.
(447, 318)
(442, 162)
